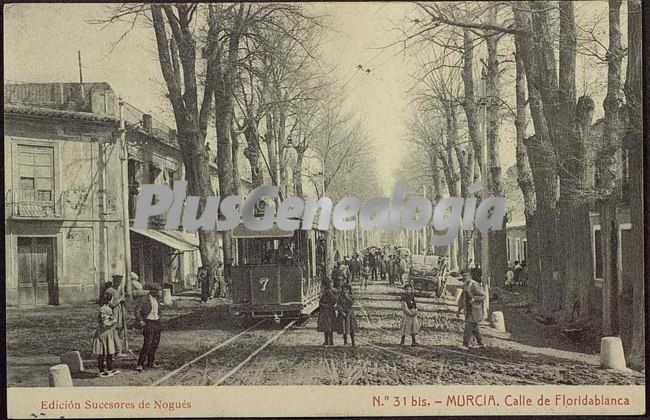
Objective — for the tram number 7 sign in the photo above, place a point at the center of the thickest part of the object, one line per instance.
(264, 281)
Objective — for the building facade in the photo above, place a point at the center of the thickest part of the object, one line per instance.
(64, 226)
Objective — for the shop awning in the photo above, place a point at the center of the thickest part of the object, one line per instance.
(167, 240)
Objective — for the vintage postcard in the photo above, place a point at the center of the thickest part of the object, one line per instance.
(324, 209)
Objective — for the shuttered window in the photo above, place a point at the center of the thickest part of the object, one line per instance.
(36, 171)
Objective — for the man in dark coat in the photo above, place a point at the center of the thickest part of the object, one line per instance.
(327, 312)
(372, 260)
(204, 281)
(148, 316)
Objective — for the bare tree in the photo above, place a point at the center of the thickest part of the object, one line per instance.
(607, 173)
(634, 152)
(177, 57)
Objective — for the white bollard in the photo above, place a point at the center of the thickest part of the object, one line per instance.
(59, 376)
(167, 296)
(73, 360)
(611, 353)
(498, 321)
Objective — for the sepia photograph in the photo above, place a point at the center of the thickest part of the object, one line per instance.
(405, 208)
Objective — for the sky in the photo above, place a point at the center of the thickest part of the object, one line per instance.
(41, 43)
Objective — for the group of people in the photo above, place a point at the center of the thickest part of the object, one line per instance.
(336, 312)
(110, 333)
(373, 266)
(214, 285)
(516, 275)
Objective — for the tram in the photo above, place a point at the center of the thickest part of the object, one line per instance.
(277, 273)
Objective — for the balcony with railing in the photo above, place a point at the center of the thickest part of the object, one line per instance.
(15, 208)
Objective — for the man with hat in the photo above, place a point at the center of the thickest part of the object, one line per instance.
(471, 301)
(148, 316)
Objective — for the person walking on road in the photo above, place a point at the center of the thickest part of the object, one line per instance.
(347, 321)
(148, 316)
(410, 320)
(327, 312)
(471, 302)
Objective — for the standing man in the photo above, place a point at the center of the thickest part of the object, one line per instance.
(372, 259)
(147, 314)
(336, 275)
(471, 301)
(355, 267)
(517, 271)
(219, 288)
(204, 281)
(345, 269)
(382, 265)
(227, 272)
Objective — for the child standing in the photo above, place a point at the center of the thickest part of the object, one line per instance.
(327, 312)
(106, 340)
(347, 319)
(365, 275)
(410, 321)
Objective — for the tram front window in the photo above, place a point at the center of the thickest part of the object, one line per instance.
(283, 251)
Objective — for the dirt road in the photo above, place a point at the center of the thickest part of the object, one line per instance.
(282, 354)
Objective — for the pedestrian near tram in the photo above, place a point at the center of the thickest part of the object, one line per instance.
(327, 312)
(347, 321)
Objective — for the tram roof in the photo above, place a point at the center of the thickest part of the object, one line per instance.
(242, 232)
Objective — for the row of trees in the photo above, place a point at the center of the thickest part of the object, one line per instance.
(493, 63)
(252, 73)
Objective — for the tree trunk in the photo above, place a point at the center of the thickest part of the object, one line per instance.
(297, 173)
(469, 103)
(235, 163)
(270, 141)
(252, 153)
(573, 123)
(190, 121)
(607, 173)
(634, 148)
(538, 58)
(524, 175)
(578, 303)
(496, 239)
